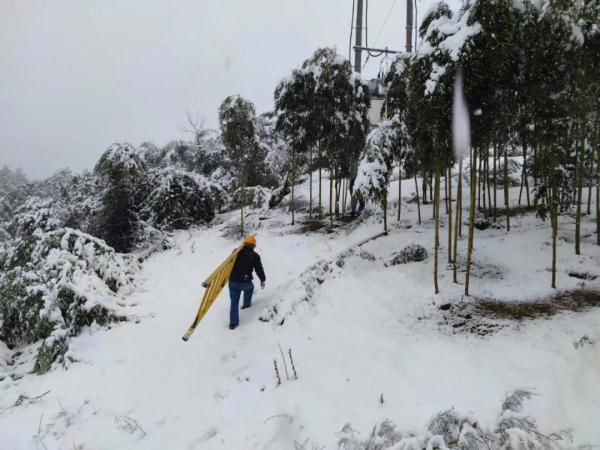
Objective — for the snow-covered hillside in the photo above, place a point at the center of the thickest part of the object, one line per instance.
(370, 342)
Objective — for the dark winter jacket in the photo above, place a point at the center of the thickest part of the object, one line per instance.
(247, 261)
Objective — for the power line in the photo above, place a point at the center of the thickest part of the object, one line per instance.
(385, 21)
(380, 30)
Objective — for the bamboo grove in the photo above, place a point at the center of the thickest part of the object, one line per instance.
(531, 80)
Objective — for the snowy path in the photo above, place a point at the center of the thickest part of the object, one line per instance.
(370, 333)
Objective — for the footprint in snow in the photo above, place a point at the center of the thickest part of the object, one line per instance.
(208, 435)
(225, 357)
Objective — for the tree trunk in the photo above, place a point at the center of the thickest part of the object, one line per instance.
(436, 207)
(419, 203)
(331, 195)
(535, 160)
(457, 225)
(591, 182)
(385, 195)
(310, 187)
(449, 215)
(337, 198)
(293, 204)
(495, 181)
(431, 176)
(400, 191)
(424, 185)
(488, 183)
(243, 201)
(479, 177)
(320, 215)
(523, 145)
(581, 156)
(343, 195)
(484, 177)
(446, 192)
(554, 220)
(471, 219)
(506, 194)
(597, 195)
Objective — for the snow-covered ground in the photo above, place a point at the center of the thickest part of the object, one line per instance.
(369, 333)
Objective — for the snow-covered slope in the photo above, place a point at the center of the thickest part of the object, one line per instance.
(369, 344)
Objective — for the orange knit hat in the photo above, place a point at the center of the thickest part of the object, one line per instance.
(250, 240)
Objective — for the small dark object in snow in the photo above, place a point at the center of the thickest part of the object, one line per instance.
(583, 341)
(482, 224)
(582, 275)
(410, 253)
(381, 399)
(277, 372)
(445, 307)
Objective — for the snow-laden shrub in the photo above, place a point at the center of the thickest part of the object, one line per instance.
(121, 171)
(120, 162)
(410, 253)
(449, 429)
(304, 288)
(14, 190)
(37, 214)
(256, 197)
(53, 284)
(178, 200)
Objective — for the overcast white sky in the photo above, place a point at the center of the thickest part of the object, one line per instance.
(78, 75)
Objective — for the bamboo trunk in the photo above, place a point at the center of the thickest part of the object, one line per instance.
(436, 207)
(310, 187)
(446, 192)
(581, 157)
(554, 220)
(471, 219)
(484, 158)
(242, 206)
(495, 182)
(293, 204)
(331, 195)
(597, 196)
(399, 191)
(320, 215)
(487, 183)
(385, 194)
(431, 187)
(506, 194)
(449, 215)
(337, 198)
(479, 185)
(591, 182)
(419, 203)
(457, 224)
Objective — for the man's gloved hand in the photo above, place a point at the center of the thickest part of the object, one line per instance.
(262, 284)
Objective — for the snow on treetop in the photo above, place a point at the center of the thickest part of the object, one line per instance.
(454, 32)
(120, 158)
(374, 169)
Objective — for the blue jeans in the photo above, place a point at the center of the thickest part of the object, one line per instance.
(235, 290)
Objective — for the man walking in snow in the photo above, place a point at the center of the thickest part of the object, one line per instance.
(241, 279)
